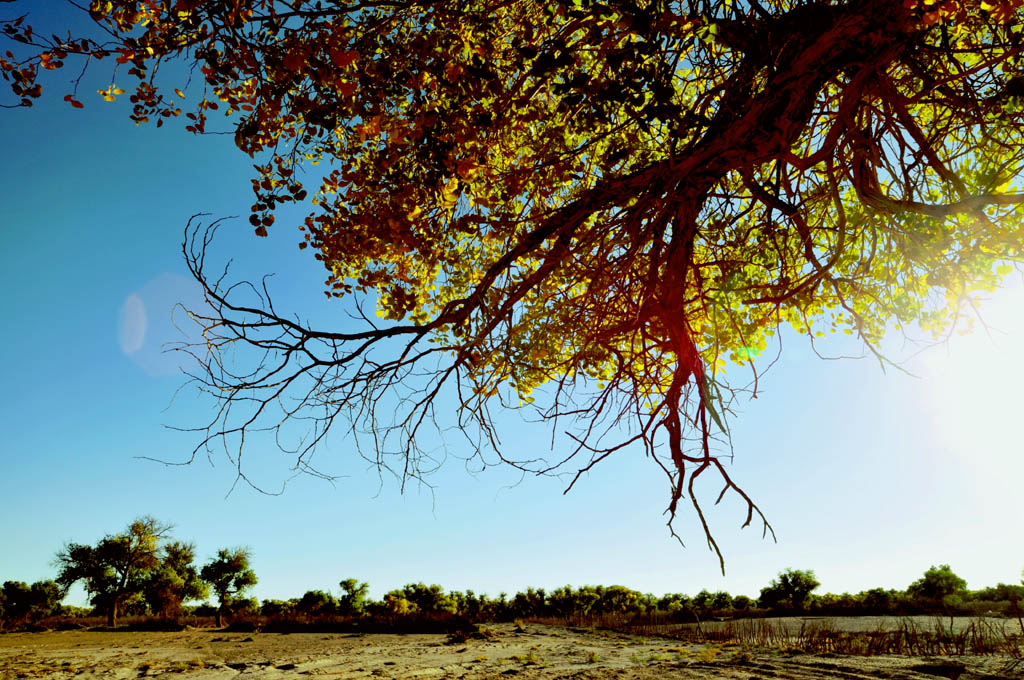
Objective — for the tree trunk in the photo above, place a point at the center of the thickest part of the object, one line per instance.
(112, 615)
(220, 609)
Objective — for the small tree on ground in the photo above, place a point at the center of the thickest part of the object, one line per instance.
(174, 581)
(939, 585)
(317, 603)
(426, 598)
(20, 602)
(741, 603)
(228, 574)
(353, 598)
(790, 588)
(116, 569)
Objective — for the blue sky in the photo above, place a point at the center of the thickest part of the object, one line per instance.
(868, 477)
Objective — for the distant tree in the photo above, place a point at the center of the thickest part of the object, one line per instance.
(620, 600)
(790, 588)
(586, 600)
(701, 603)
(244, 607)
(15, 599)
(272, 608)
(174, 581)
(1001, 592)
(116, 569)
(674, 603)
(45, 596)
(395, 602)
(721, 601)
(353, 597)
(229, 574)
(531, 602)
(20, 602)
(877, 600)
(741, 603)
(430, 598)
(937, 585)
(316, 603)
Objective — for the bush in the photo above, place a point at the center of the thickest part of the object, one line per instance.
(939, 585)
(790, 589)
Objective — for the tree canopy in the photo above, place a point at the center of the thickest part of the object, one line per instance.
(791, 588)
(229, 574)
(118, 568)
(937, 583)
(602, 212)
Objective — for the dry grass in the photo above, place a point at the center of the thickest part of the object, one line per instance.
(905, 636)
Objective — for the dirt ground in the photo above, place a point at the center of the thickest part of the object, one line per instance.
(533, 652)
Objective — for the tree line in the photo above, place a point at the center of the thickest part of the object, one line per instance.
(142, 572)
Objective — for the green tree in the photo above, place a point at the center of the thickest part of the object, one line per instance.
(426, 598)
(174, 581)
(601, 211)
(790, 588)
(721, 601)
(274, 608)
(532, 602)
(116, 569)
(742, 603)
(20, 602)
(15, 599)
(353, 597)
(937, 585)
(229, 574)
(878, 601)
(46, 596)
(316, 603)
(395, 602)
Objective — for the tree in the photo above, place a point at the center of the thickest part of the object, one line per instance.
(598, 212)
(353, 597)
(229, 575)
(427, 599)
(878, 601)
(116, 569)
(317, 603)
(20, 602)
(742, 603)
(174, 581)
(937, 584)
(790, 588)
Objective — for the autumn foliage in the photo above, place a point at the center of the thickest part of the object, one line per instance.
(590, 209)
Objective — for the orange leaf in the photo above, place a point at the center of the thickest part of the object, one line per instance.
(261, 231)
(342, 58)
(294, 60)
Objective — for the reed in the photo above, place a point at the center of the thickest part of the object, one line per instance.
(904, 636)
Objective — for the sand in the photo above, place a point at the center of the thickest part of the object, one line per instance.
(532, 651)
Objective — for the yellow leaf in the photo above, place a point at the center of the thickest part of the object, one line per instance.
(179, 93)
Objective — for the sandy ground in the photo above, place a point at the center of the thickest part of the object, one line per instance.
(535, 651)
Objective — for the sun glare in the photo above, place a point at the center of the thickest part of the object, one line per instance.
(973, 387)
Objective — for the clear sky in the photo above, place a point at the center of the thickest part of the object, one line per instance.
(868, 477)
